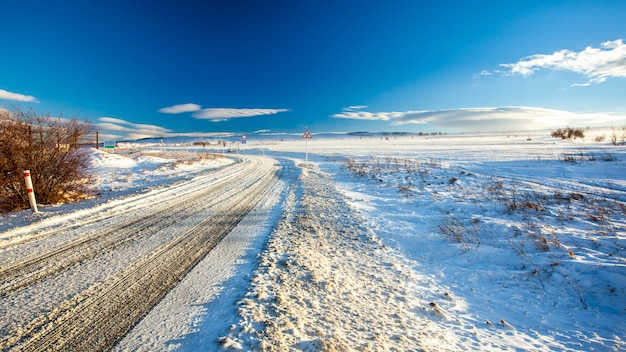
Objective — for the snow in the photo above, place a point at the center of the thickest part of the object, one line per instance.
(461, 242)
(201, 306)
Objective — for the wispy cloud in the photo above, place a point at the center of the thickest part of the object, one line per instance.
(6, 95)
(355, 107)
(396, 116)
(218, 114)
(224, 114)
(180, 108)
(597, 64)
(508, 118)
(114, 128)
(111, 128)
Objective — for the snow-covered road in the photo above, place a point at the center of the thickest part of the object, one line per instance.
(377, 244)
(82, 284)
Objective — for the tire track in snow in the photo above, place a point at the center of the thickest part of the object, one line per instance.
(137, 225)
(118, 208)
(99, 316)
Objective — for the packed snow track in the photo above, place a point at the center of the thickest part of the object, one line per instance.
(107, 267)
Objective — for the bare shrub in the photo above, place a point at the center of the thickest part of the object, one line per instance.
(568, 133)
(617, 138)
(51, 149)
(608, 157)
(579, 156)
(406, 189)
(540, 242)
(464, 232)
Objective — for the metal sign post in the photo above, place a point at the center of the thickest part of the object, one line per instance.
(307, 135)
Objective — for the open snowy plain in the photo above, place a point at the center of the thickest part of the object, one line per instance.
(380, 242)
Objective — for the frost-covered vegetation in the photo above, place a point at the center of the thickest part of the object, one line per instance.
(563, 231)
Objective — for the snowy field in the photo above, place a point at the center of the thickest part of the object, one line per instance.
(459, 242)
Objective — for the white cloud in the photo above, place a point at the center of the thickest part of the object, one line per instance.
(224, 114)
(598, 64)
(508, 118)
(379, 116)
(111, 128)
(355, 107)
(114, 128)
(6, 95)
(180, 108)
(204, 134)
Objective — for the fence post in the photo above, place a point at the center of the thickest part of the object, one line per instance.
(29, 189)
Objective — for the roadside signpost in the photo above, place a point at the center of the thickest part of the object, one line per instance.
(307, 135)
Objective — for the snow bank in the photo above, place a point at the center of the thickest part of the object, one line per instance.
(325, 282)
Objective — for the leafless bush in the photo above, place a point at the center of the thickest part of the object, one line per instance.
(51, 149)
(617, 138)
(540, 241)
(568, 133)
(580, 156)
(608, 157)
(465, 232)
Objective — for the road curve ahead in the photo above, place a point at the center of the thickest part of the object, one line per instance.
(82, 285)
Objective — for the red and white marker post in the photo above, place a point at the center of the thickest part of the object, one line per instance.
(29, 190)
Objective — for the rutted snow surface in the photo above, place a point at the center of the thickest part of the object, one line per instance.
(198, 309)
(326, 282)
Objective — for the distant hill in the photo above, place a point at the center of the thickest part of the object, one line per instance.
(263, 136)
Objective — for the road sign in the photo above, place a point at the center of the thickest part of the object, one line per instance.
(108, 145)
(307, 135)
(243, 139)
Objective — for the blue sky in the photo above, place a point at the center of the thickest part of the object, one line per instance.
(156, 68)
